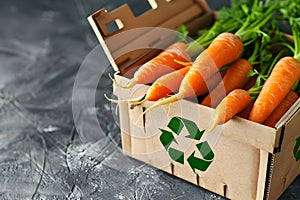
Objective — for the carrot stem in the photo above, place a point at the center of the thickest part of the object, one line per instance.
(227, 20)
(255, 54)
(255, 20)
(295, 31)
(289, 11)
(284, 44)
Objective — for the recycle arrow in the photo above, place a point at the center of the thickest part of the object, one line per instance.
(176, 125)
(297, 149)
(207, 154)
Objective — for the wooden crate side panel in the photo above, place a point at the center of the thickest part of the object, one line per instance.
(125, 128)
(126, 114)
(260, 136)
(286, 168)
(262, 175)
(235, 171)
(238, 129)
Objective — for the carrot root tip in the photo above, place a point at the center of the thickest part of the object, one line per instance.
(111, 100)
(116, 110)
(213, 125)
(129, 84)
(112, 79)
(148, 109)
(167, 100)
(123, 100)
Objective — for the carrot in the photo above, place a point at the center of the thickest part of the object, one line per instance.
(224, 49)
(262, 81)
(245, 103)
(161, 64)
(227, 20)
(170, 83)
(281, 109)
(236, 101)
(246, 112)
(284, 75)
(236, 77)
(212, 82)
(255, 58)
(164, 85)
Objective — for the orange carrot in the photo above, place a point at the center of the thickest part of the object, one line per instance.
(281, 109)
(170, 83)
(246, 112)
(164, 85)
(211, 82)
(224, 49)
(282, 78)
(236, 101)
(236, 77)
(161, 64)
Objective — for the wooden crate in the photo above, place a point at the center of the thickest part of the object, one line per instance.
(240, 160)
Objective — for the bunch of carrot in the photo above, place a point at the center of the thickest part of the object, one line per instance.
(242, 53)
(276, 93)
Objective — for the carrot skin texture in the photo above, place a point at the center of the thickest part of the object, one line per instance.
(236, 77)
(235, 102)
(224, 49)
(170, 83)
(162, 64)
(281, 109)
(246, 112)
(211, 82)
(166, 84)
(282, 78)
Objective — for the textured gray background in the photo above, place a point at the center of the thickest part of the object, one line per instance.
(42, 45)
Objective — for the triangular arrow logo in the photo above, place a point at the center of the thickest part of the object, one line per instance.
(176, 125)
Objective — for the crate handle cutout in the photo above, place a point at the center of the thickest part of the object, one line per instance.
(107, 24)
(176, 125)
(114, 26)
(153, 4)
(150, 17)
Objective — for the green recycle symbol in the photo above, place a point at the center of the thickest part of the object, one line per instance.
(176, 125)
(297, 149)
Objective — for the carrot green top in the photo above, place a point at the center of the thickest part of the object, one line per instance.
(259, 15)
(229, 19)
(256, 23)
(290, 12)
(245, 18)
